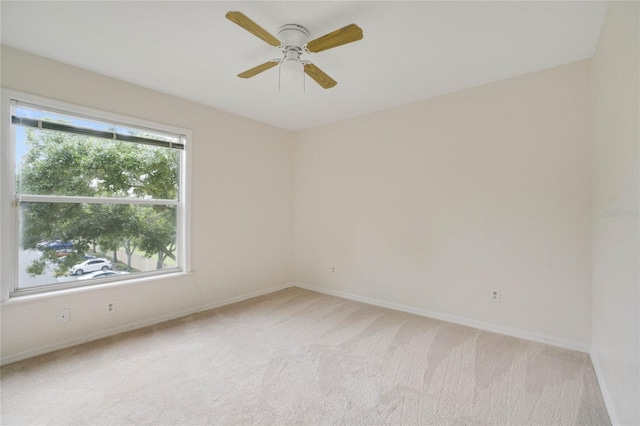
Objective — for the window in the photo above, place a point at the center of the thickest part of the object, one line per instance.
(92, 192)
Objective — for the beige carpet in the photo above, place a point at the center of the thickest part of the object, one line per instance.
(299, 357)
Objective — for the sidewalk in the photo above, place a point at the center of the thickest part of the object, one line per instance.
(138, 261)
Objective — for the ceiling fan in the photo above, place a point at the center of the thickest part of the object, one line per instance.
(292, 40)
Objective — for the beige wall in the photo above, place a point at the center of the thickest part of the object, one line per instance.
(616, 279)
(434, 204)
(242, 209)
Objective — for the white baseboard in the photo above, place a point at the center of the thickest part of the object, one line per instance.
(404, 308)
(521, 334)
(608, 402)
(243, 297)
(19, 356)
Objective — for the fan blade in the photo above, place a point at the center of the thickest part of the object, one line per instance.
(319, 76)
(255, 29)
(257, 70)
(344, 35)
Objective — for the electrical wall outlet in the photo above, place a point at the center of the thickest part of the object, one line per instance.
(111, 306)
(333, 269)
(63, 316)
(495, 295)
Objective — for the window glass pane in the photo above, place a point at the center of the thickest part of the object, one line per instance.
(70, 242)
(57, 163)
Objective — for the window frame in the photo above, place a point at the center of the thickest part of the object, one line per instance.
(9, 211)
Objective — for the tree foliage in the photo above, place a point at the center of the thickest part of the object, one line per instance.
(74, 165)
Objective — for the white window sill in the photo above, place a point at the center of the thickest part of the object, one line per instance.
(36, 297)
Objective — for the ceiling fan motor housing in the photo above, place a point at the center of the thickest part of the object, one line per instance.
(293, 35)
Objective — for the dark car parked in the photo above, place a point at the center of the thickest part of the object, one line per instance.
(56, 245)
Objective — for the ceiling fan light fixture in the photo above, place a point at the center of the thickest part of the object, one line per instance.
(291, 68)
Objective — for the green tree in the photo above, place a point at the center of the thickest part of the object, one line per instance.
(159, 235)
(75, 165)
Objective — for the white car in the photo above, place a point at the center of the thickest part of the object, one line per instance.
(91, 265)
(102, 274)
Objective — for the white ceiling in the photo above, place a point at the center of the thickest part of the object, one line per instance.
(410, 51)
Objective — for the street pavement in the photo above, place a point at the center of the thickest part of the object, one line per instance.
(26, 257)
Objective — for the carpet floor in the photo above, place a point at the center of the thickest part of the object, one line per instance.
(300, 357)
